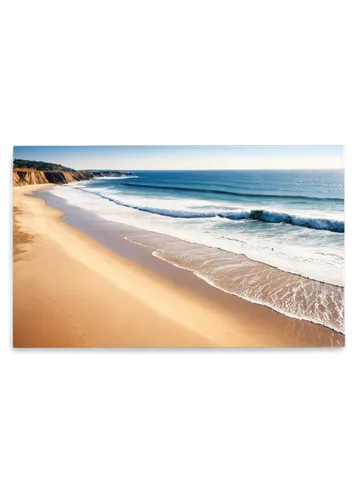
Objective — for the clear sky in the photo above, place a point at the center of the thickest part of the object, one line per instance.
(185, 157)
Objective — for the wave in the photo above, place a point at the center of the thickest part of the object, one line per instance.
(258, 215)
(336, 326)
(335, 226)
(232, 193)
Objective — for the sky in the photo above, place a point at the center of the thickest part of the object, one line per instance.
(185, 157)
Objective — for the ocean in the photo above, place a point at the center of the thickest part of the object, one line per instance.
(271, 237)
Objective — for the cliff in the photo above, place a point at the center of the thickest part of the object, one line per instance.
(43, 172)
(25, 176)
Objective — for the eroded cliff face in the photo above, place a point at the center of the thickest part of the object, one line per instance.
(23, 177)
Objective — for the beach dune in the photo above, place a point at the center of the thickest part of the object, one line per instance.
(71, 291)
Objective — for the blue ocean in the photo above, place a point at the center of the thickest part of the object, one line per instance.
(275, 237)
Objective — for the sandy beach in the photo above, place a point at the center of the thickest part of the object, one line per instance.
(72, 291)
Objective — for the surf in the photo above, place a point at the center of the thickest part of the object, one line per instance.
(265, 216)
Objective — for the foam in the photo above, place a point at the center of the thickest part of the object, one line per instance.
(256, 214)
(316, 256)
(334, 321)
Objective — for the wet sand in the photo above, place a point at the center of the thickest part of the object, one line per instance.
(79, 283)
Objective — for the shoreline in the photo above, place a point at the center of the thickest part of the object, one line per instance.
(101, 229)
(202, 315)
(281, 312)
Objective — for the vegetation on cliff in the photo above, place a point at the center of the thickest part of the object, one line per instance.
(41, 165)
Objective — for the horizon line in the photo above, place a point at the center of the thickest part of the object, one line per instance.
(203, 169)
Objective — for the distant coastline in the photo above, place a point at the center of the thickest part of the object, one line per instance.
(110, 173)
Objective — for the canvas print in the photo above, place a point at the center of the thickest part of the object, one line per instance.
(178, 246)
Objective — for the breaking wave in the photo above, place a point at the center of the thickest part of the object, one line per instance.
(335, 226)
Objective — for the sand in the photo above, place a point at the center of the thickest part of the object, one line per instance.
(72, 291)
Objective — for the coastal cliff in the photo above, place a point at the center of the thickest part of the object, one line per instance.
(42, 172)
(25, 176)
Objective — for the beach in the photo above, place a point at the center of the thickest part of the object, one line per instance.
(72, 291)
